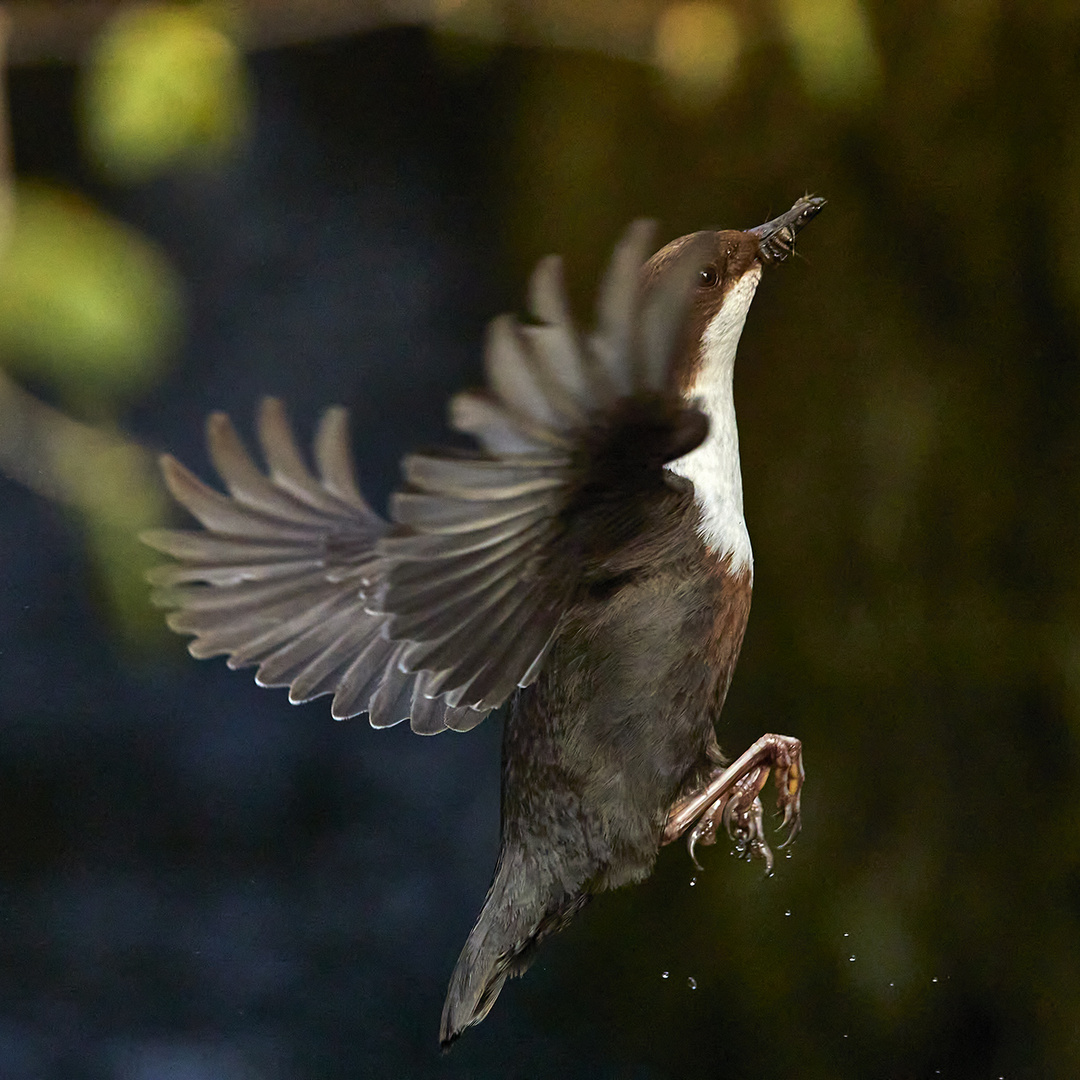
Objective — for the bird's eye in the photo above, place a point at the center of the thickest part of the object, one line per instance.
(708, 277)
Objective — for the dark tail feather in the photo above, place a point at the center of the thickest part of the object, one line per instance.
(481, 970)
(515, 918)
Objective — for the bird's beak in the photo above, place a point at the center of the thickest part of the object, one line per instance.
(776, 238)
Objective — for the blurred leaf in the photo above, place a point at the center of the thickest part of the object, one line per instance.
(119, 495)
(86, 303)
(110, 485)
(697, 49)
(833, 48)
(164, 87)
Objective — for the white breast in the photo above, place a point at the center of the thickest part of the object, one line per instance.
(714, 465)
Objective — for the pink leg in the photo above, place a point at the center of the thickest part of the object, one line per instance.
(731, 796)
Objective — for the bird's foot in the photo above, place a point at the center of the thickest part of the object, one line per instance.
(732, 797)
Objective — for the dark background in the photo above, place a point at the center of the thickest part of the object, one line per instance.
(200, 882)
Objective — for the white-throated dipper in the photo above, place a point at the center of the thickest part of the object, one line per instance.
(589, 564)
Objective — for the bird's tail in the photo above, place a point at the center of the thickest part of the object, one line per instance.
(517, 915)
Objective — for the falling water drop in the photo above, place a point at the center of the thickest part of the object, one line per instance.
(788, 912)
(664, 974)
(693, 882)
(851, 959)
(692, 983)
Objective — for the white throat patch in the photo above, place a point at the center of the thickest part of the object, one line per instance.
(714, 465)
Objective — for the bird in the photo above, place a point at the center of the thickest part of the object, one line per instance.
(587, 564)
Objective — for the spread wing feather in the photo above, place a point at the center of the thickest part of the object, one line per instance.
(440, 615)
(278, 577)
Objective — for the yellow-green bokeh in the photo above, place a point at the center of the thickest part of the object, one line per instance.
(87, 304)
(165, 85)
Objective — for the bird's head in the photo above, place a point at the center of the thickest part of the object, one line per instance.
(731, 262)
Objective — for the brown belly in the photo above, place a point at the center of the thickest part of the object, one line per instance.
(597, 751)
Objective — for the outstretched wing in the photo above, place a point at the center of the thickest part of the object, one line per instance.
(277, 576)
(440, 617)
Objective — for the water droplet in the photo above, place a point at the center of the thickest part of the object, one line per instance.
(787, 854)
(851, 959)
(788, 912)
(692, 983)
(664, 974)
(934, 979)
(693, 882)
(846, 934)
(845, 1036)
(892, 984)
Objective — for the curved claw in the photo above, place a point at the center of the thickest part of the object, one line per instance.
(794, 828)
(744, 821)
(731, 796)
(757, 847)
(704, 832)
(691, 845)
(790, 783)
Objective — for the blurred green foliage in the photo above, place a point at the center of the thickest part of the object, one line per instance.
(697, 49)
(165, 86)
(832, 48)
(93, 309)
(87, 304)
(115, 490)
